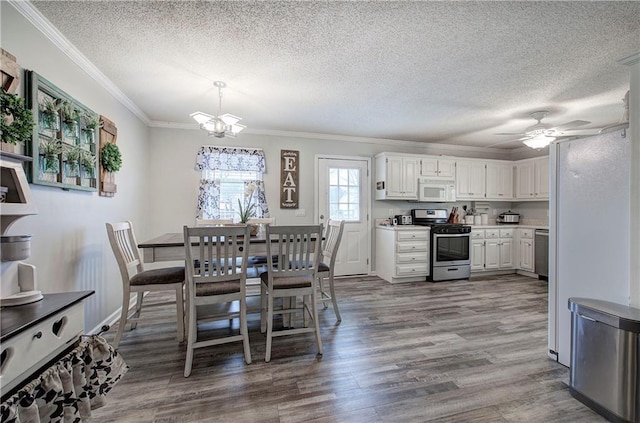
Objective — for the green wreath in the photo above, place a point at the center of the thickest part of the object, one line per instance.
(21, 128)
(110, 157)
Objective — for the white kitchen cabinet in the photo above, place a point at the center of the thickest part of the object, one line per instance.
(402, 254)
(526, 250)
(432, 166)
(477, 254)
(541, 183)
(499, 181)
(491, 249)
(396, 177)
(532, 178)
(470, 179)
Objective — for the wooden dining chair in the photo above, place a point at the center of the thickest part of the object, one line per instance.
(137, 280)
(293, 275)
(223, 284)
(326, 268)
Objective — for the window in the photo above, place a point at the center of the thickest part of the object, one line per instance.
(229, 175)
(344, 194)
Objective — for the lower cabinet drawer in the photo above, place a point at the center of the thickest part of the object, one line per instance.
(412, 236)
(24, 353)
(415, 269)
(411, 258)
(411, 247)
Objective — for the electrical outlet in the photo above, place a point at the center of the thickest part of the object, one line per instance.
(391, 213)
(301, 213)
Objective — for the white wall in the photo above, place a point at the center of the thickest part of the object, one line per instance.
(69, 245)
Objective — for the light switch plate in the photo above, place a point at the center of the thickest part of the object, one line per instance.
(301, 213)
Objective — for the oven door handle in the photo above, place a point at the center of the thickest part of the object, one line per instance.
(452, 235)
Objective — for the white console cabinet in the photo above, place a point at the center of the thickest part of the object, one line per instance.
(402, 253)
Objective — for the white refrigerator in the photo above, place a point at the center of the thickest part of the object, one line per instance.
(589, 228)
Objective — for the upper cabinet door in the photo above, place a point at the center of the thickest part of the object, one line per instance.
(447, 168)
(431, 166)
(470, 179)
(499, 181)
(525, 187)
(428, 167)
(410, 178)
(394, 179)
(542, 178)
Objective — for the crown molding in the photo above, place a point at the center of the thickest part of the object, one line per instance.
(630, 60)
(37, 19)
(443, 149)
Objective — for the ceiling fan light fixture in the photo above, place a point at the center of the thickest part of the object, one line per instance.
(539, 142)
(221, 125)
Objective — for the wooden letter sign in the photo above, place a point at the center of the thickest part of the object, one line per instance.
(289, 179)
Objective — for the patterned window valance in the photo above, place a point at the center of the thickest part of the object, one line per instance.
(229, 158)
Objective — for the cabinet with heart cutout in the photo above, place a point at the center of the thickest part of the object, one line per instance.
(34, 334)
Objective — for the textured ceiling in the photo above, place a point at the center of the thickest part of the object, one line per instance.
(447, 72)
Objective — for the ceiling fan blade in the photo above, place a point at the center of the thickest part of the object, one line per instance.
(506, 142)
(577, 132)
(572, 124)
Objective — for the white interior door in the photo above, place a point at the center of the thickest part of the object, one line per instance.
(343, 194)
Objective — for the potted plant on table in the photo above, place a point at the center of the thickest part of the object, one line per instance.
(248, 210)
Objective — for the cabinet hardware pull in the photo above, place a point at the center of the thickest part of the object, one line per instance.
(38, 335)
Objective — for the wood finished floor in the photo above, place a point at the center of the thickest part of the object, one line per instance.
(463, 351)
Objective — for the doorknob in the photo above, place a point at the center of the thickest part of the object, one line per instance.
(322, 216)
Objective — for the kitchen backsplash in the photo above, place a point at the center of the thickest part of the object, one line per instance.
(531, 213)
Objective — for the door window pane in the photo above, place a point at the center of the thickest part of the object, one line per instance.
(344, 194)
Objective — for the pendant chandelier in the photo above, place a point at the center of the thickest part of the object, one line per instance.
(221, 125)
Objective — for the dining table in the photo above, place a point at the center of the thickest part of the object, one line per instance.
(170, 247)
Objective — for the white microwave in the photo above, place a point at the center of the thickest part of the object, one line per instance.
(436, 190)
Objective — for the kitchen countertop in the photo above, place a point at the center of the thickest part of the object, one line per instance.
(507, 225)
(494, 226)
(402, 227)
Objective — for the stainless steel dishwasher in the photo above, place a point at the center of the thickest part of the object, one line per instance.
(541, 248)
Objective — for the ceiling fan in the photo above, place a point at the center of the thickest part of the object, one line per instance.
(542, 134)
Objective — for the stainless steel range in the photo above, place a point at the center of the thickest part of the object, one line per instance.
(450, 245)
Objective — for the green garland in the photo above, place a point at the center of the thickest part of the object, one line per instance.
(20, 130)
(110, 157)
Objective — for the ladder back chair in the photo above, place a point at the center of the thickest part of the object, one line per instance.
(137, 280)
(326, 268)
(294, 274)
(223, 284)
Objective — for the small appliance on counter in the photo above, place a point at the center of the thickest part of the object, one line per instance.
(509, 217)
(402, 219)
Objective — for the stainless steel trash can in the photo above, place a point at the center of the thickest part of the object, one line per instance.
(605, 358)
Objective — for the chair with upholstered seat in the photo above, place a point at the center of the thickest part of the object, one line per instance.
(137, 280)
(293, 275)
(327, 267)
(223, 284)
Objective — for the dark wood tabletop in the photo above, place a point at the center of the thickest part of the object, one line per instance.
(175, 239)
(16, 319)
